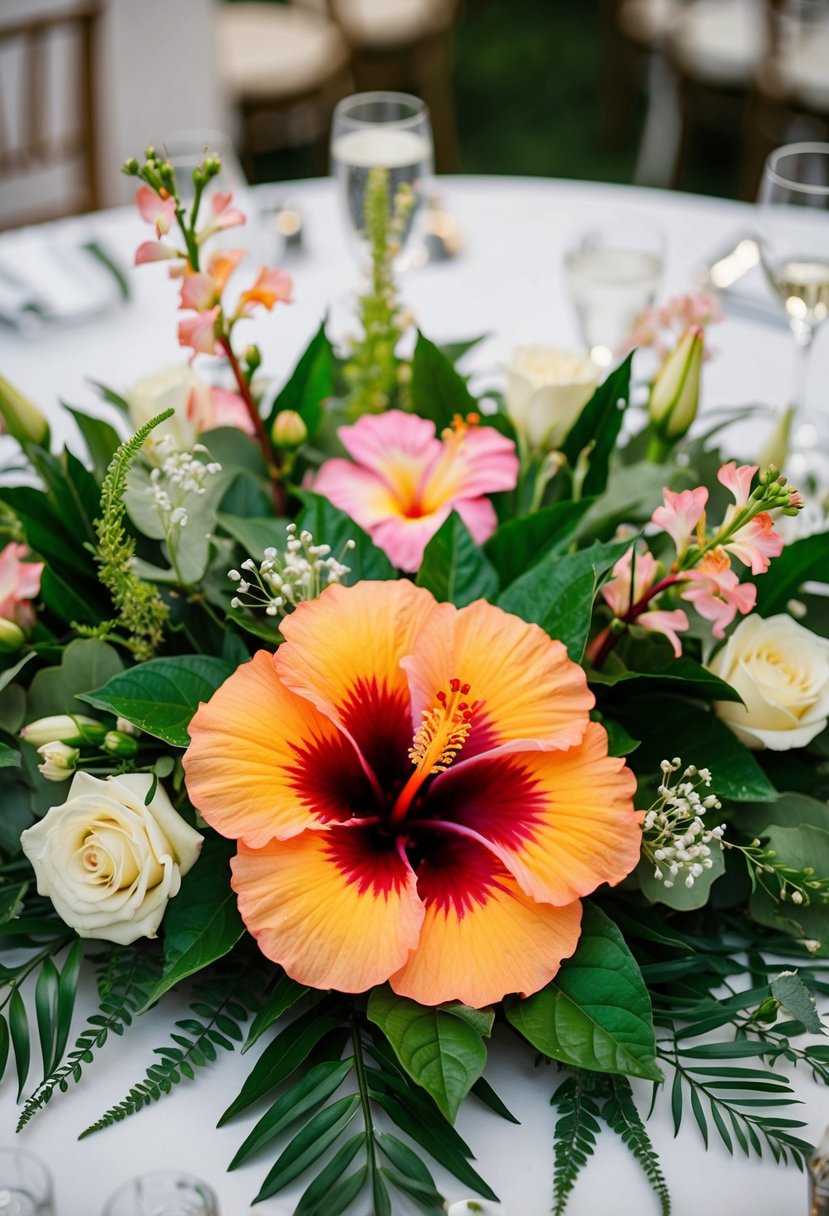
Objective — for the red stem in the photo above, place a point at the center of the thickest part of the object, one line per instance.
(259, 426)
(603, 643)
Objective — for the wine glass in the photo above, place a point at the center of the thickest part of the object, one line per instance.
(163, 1193)
(793, 236)
(613, 272)
(390, 131)
(25, 1185)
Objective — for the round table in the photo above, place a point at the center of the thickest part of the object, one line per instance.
(508, 283)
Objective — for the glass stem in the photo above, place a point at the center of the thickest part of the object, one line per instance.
(803, 344)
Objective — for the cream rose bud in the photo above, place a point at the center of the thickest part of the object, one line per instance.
(109, 863)
(177, 388)
(781, 670)
(547, 388)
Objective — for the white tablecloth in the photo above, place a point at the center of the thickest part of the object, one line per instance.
(509, 284)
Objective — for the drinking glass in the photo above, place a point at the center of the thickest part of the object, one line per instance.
(613, 272)
(187, 149)
(25, 1185)
(391, 131)
(793, 235)
(163, 1193)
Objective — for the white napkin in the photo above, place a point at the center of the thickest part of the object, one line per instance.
(49, 276)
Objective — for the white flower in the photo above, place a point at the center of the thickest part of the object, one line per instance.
(68, 728)
(547, 388)
(177, 388)
(781, 670)
(58, 761)
(108, 862)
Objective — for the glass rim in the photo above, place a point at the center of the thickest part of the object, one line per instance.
(380, 96)
(798, 149)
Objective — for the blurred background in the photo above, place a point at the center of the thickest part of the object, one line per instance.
(688, 94)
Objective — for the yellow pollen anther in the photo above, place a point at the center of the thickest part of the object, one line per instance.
(441, 735)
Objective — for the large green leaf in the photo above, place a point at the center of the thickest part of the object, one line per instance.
(100, 438)
(521, 543)
(596, 1014)
(789, 810)
(680, 897)
(310, 383)
(202, 923)
(669, 726)
(255, 535)
(454, 568)
(86, 664)
(655, 662)
(798, 563)
(597, 427)
(330, 526)
(161, 696)
(437, 391)
(558, 592)
(440, 1050)
(798, 847)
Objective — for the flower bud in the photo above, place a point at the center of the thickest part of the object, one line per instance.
(125, 727)
(119, 744)
(130, 167)
(288, 431)
(776, 448)
(12, 636)
(63, 728)
(675, 394)
(20, 417)
(59, 761)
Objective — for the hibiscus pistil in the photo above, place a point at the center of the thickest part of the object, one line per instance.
(441, 735)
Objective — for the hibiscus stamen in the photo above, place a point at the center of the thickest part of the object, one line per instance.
(441, 735)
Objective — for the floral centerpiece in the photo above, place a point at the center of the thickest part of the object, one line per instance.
(370, 715)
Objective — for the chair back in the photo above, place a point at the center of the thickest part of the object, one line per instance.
(48, 116)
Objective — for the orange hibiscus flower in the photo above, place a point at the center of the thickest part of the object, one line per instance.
(418, 795)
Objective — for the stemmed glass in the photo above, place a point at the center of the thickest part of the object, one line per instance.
(25, 1185)
(163, 1193)
(613, 272)
(391, 131)
(793, 234)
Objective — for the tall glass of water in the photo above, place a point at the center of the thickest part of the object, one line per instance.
(163, 1193)
(25, 1185)
(613, 272)
(391, 131)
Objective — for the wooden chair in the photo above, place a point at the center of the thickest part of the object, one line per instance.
(284, 67)
(790, 98)
(35, 135)
(406, 45)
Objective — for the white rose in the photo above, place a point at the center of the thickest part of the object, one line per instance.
(177, 388)
(547, 388)
(781, 670)
(109, 863)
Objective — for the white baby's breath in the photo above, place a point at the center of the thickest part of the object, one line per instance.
(675, 837)
(282, 580)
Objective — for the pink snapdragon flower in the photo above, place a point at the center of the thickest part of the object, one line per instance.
(629, 586)
(664, 326)
(19, 585)
(222, 216)
(155, 251)
(198, 331)
(156, 209)
(404, 481)
(680, 515)
(717, 593)
(203, 291)
(273, 286)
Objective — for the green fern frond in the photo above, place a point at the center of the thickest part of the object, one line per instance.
(622, 1117)
(222, 1006)
(743, 1102)
(140, 609)
(575, 1134)
(125, 979)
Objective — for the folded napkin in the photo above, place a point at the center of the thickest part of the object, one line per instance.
(52, 275)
